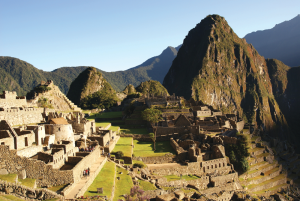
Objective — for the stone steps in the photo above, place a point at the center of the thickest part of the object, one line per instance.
(278, 180)
(257, 151)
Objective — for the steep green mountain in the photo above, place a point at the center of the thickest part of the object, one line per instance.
(217, 67)
(152, 87)
(20, 76)
(90, 90)
(281, 42)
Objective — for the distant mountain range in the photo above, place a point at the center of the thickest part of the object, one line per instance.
(282, 42)
(20, 76)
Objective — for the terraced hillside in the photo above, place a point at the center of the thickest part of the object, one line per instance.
(266, 174)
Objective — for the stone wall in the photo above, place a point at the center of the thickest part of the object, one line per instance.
(213, 165)
(156, 159)
(25, 140)
(90, 179)
(43, 173)
(200, 183)
(9, 99)
(174, 110)
(8, 141)
(171, 130)
(225, 187)
(220, 180)
(25, 192)
(21, 117)
(191, 168)
(176, 115)
(85, 163)
(30, 151)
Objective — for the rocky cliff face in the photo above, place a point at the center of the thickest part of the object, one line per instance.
(88, 82)
(217, 67)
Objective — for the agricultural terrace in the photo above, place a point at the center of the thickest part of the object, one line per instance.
(125, 145)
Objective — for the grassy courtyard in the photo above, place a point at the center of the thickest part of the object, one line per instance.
(123, 185)
(124, 145)
(8, 177)
(145, 149)
(105, 180)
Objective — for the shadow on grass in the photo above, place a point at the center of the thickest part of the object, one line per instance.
(163, 146)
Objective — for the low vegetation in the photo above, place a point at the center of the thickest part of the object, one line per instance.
(9, 177)
(27, 182)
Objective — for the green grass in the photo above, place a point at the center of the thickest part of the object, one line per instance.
(124, 145)
(105, 180)
(123, 185)
(109, 115)
(141, 131)
(9, 197)
(102, 124)
(58, 188)
(9, 177)
(186, 177)
(145, 149)
(27, 182)
(114, 128)
(146, 186)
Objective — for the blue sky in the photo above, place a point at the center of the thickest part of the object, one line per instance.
(119, 34)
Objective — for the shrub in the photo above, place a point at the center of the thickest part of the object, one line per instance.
(119, 154)
(139, 164)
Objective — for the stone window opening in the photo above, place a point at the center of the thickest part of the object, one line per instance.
(212, 167)
(208, 167)
(219, 164)
(58, 129)
(223, 164)
(2, 143)
(26, 142)
(216, 166)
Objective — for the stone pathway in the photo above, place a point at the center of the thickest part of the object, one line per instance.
(72, 194)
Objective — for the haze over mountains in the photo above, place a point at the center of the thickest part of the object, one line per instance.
(282, 42)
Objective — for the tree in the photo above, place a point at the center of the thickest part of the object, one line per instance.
(153, 116)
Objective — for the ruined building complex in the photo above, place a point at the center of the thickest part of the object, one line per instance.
(51, 151)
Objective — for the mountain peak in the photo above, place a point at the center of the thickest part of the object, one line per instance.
(213, 67)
